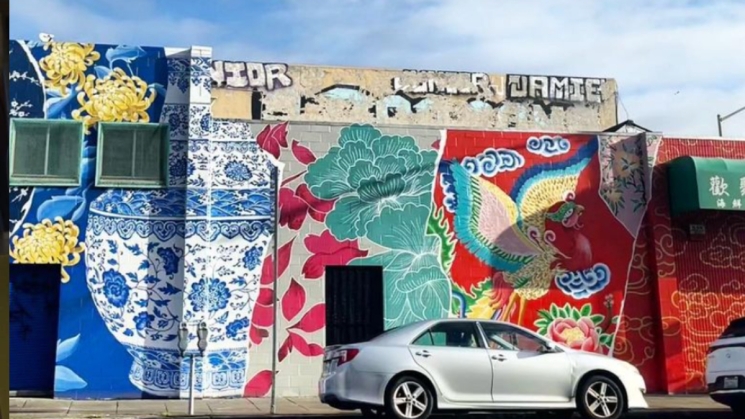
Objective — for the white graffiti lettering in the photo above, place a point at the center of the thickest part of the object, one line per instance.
(437, 83)
(568, 89)
(247, 75)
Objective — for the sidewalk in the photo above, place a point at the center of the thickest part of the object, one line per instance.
(226, 408)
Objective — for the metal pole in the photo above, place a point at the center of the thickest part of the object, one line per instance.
(192, 383)
(275, 260)
(719, 124)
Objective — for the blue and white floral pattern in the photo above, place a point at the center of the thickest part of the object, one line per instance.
(231, 130)
(240, 164)
(178, 74)
(200, 74)
(200, 122)
(177, 118)
(162, 372)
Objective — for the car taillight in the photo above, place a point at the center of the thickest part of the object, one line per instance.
(347, 355)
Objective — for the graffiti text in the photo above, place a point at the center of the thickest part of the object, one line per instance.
(244, 75)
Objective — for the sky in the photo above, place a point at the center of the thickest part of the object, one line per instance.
(678, 63)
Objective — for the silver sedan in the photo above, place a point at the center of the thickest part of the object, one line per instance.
(475, 365)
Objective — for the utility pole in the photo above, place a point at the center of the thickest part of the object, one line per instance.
(721, 119)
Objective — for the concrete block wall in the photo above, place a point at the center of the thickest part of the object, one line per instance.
(281, 92)
(299, 368)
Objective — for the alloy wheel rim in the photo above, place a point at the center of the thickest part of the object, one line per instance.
(410, 400)
(602, 400)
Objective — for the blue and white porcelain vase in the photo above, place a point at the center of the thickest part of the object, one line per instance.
(157, 258)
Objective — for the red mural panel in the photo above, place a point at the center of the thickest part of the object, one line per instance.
(543, 229)
(702, 283)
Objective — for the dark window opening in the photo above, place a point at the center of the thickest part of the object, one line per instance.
(354, 304)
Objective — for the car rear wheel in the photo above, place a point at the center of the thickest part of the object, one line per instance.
(409, 398)
(600, 398)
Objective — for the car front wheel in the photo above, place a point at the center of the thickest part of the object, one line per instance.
(409, 398)
(600, 398)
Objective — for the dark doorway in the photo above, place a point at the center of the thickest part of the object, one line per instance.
(34, 312)
(354, 304)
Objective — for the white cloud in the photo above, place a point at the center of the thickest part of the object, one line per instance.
(678, 63)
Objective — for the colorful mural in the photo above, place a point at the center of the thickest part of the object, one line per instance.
(698, 281)
(519, 213)
(134, 264)
(340, 196)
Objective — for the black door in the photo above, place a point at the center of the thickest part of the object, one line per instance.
(354, 304)
(34, 312)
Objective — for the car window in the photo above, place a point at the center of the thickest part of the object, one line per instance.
(736, 329)
(508, 338)
(452, 334)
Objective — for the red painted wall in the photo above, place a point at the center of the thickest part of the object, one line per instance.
(699, 285)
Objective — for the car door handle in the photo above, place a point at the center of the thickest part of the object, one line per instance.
(500, 358)
(424, 354)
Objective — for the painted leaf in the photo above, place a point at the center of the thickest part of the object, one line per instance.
(545, 314)
(597, 319)
(267, 271)
(67, 347)
(285, 349)
(259, 385)
(306, 349)
(302, 153)
(125, 53)
(266, 297)
(101, 71)
(313, 321)
(292, 210)
(273, 138)
(257, 335)
(317, 208)
(263, 316)
(57, 108)
(586, 310)
(326, 250)
(291, 178)
(58, 206)
(65, 379)
(293, 301)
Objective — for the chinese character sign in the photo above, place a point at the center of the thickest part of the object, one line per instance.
(718, 186)
(721, 190)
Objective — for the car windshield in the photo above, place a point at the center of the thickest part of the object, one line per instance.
(736, 329)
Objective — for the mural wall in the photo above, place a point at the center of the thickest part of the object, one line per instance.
(343, 189)
(520, 213)
(699, 282)
(133, 264)
(281, 92)
(346, 186)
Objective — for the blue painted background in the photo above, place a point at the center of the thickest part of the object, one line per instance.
(90, 362)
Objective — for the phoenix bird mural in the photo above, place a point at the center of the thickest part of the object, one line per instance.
(527, 236)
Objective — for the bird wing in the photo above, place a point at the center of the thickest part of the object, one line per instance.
(542, 186)
(485, 223)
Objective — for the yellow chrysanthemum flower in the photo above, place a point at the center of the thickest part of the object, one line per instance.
(66, 64)
(49, 243)
(114, 98)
